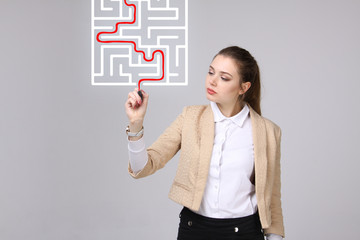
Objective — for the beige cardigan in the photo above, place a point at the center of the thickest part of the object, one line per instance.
(193, 133)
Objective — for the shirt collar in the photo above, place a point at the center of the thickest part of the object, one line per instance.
(238, 119)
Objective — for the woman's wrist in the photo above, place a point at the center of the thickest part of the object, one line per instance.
(135, 126)
(136, 138)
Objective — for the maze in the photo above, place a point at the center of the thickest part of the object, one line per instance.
(135, 41)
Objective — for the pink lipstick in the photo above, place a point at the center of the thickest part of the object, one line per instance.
(210, 91)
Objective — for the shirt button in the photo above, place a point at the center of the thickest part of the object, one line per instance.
(236, 229)
(189, 223)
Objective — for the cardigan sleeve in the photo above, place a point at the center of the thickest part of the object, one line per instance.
(163, 149)
(277, 225)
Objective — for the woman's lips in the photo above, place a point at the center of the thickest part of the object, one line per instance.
(210, 91)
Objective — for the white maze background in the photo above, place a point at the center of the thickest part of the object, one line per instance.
(160, 24)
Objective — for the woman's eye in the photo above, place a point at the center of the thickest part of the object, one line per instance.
(225, 79)
(211, 73)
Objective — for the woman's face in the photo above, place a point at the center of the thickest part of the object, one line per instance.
(223, 81)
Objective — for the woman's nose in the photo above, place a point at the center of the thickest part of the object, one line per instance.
(213, 81)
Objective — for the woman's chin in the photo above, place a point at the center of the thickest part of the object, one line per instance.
(210, 97)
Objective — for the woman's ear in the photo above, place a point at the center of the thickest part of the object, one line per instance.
(244, 87)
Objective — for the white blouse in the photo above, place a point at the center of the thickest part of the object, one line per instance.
(229, 192)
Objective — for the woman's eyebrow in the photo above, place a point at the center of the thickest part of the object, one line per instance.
(226, 73)
(220, 71)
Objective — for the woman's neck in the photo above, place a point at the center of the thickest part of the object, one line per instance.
(230, 110)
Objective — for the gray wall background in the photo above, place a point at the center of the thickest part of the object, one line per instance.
(63, 152)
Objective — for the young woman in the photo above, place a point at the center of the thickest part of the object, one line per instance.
(228, 177)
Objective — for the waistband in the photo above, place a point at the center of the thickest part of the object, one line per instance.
(251, 218)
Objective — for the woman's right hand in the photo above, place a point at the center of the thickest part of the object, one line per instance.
(136, 109)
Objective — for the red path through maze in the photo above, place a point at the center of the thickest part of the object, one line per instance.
(132, 42)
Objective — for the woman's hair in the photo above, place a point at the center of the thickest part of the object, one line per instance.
(249, 72)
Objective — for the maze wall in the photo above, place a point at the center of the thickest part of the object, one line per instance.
(139, 40)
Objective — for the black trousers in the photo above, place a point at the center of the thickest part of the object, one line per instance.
(196, 227)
